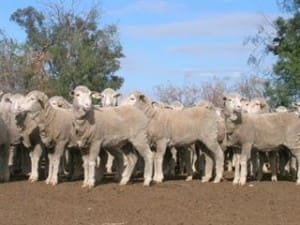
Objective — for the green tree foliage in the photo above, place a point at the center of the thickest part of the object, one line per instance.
(12, 64)
(286, 46)
(283, 85)
(66, 48)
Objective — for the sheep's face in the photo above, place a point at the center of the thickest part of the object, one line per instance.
(232, 103)
(58, 102)
(245, 104)
(281, 109)
(17, 101)
(176, 105)
(131, 100)
(256, 106)
(82, 100)
(296, 105)
(6, 102)
(109, 97)
(33, 102)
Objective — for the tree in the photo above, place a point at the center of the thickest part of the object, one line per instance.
(283, 85)
(66, 48)
(190, 94)
(12, 65)
(250, 86)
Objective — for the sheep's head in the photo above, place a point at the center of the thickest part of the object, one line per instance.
(296, 105)
(135, 99)
(232, 103)
(108, 97)
(58, 102)
(177, 105)
(280, 109)
(82, 100)
(257, 105)
(33, 102)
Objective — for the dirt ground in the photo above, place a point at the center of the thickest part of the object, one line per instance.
(173, 202)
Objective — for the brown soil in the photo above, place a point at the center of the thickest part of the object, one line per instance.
(173, 202)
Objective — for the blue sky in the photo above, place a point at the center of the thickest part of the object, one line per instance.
(178, 41)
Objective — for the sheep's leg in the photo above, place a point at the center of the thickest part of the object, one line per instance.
(35, 156)
(12, 154)
(50, 157)
(4, 164)
(58, 152)
(296, 153)
(208, 168)
(161, 147)
(194, 158)
(188, 155)
(109, 164)
(131, 160)
(143, 148)
(85, 159)
(293, 162)
(215, 148)
(173, 160)
(245, 155)
(237, 169)
(93, 154)
(273, 164)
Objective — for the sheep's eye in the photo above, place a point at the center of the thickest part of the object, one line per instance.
(77, 95)
(132, 99)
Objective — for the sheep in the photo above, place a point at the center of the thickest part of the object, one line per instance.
(109, 98)
(176, 128)
(4, 152)
(280, 109)
(9, 107)
(55, 125)
(109, 127)
(264, 132)
(28, 118)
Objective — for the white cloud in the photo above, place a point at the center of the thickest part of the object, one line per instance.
(209, 25)
(216, 49)
(146, 6)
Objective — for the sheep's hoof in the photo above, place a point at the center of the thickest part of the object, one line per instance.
(274, 178)
(235, 182)
(84, 185)
(147, 182)
(32, 179)
(217, 180)
(205, 179)
(242, 182)
(47, 181)
(189, 178)
(298, 182)
(54, 182)
(123, 182)
(158, 179)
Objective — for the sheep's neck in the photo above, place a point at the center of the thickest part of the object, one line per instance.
(148, 110)
(232, 121)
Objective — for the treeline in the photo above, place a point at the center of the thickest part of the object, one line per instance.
(64, 47)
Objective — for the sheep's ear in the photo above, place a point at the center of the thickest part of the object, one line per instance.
(243, 99)
(42, 98)
(263, 104)
(7, 99)
(96, 95)
(117, 95)
(142, 98)
(60, 103)
(155, 104)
